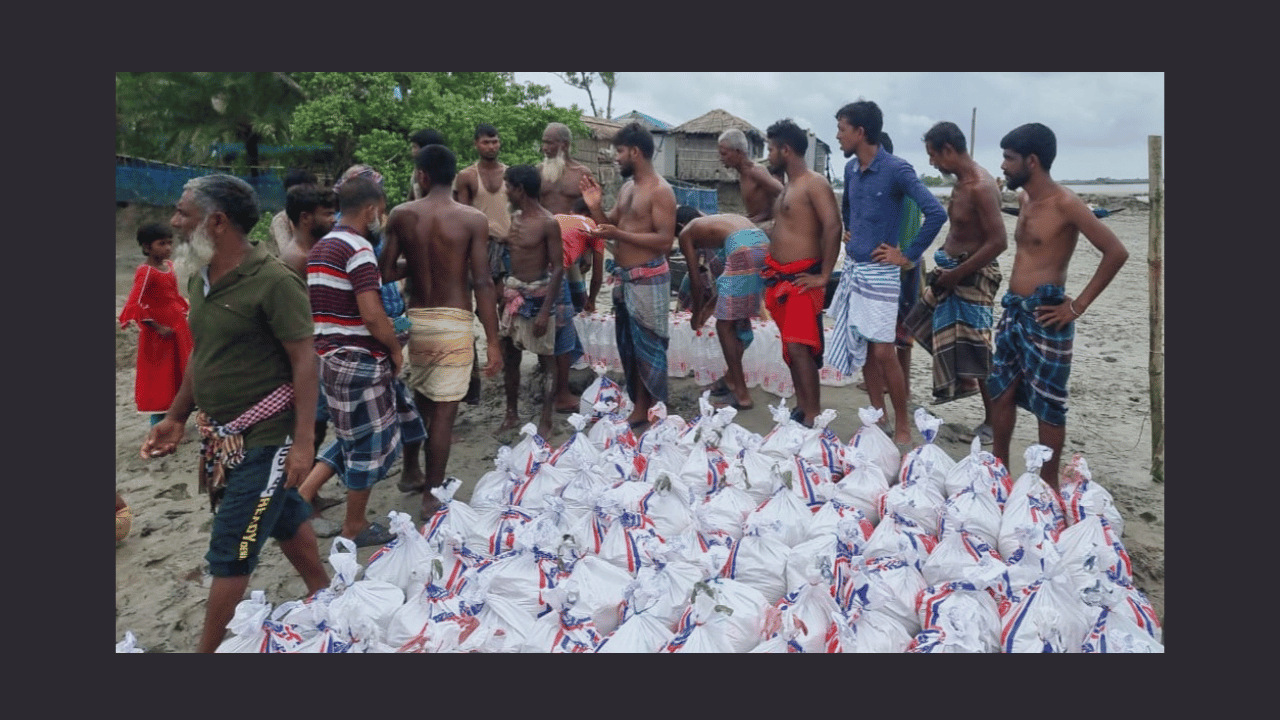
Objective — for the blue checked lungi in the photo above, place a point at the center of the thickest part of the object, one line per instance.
(956, 330)
(372, 414)
(641, 307)
(865, 309)
(1039, 356)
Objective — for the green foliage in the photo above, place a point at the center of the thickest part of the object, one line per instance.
(360, 115)
(174, 117)
(933, 181)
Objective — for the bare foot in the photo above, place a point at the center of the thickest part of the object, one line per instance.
(508, 423)
(567, 404)
(430, 506)
(902, 435)
(411, 481)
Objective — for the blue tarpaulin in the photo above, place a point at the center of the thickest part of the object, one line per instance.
(153, 183)
(705, 199)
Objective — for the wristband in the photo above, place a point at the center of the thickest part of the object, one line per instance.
(1072, 305)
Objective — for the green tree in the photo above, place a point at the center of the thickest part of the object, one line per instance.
(174, 117)
(368, 117)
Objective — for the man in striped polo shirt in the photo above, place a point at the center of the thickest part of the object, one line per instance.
(359, 353)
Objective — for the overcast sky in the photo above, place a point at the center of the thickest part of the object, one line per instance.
(1101, 120)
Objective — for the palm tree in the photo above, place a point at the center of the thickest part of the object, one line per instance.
(175, 116)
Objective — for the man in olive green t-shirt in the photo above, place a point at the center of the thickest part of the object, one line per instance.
(251, 322)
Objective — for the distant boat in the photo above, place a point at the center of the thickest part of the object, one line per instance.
(1100, 212)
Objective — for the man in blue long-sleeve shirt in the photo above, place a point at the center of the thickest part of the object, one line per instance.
(865, 304)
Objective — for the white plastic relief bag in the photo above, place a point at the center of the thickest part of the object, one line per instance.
(1031, 502)
(875, 445)
(1082, 496)
(396, 561)
(863, 485)
(248, 635)
(928, 462)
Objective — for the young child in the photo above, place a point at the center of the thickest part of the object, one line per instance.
(164, 338)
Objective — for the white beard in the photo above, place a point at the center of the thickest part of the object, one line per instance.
(193, 254)
(552, 169)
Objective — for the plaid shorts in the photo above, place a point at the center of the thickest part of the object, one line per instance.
(368, 407)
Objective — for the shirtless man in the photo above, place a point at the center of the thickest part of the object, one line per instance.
(1034, 338)
(530, 293)
(445, 246)
(561, 175)
(311, 212)
(639, 231)
(803, 244)
(738, 287)
(759, 187)
(962, 288)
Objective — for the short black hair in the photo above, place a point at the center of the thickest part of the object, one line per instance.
(786, 132)
(579, 206)
(885, 142)
(945, 133)
(438, 162)
(1032, 139)
(684, 215)
(358, 192)
(429, 136)
(152, 232)
(866, 115)
(525, 177)
(484, 130)
(306, 198)
(635, 135)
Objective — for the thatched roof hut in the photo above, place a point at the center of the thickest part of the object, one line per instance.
(697, 156)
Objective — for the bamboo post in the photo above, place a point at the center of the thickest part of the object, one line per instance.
(1155, 262)
(973, 126)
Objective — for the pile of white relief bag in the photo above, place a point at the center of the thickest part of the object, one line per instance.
(701, 536)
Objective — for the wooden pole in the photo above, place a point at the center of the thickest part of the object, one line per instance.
(973, 125)
(1155, 261)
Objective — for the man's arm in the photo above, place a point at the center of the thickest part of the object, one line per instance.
(771, 187)
(555, 262)
(379, 325)
(463, 190)
(823, 201)
(388, 267)
(994, 238)
(593, 196)
(1114, 256)
(305, 372)
(597, 278)
(689, 249)
(486, 296)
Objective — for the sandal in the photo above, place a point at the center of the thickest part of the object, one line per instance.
(985, 432)
(375, 534)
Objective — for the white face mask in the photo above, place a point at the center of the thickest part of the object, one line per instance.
(375, 225)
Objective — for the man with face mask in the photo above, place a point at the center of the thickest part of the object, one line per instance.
(360, 356)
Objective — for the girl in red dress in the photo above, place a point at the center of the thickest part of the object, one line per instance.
(164, 338)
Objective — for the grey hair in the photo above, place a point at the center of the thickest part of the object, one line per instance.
(228, 195)
(734, 139)
(560, 132)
